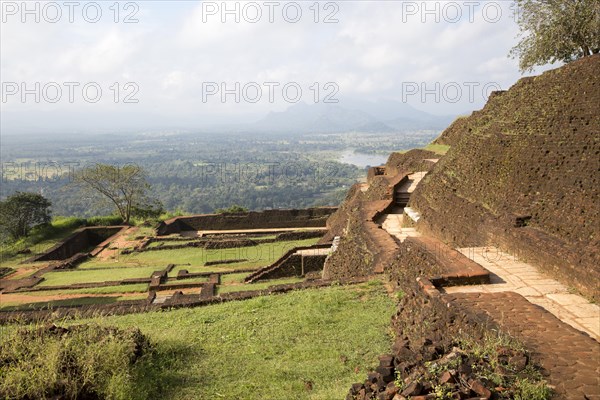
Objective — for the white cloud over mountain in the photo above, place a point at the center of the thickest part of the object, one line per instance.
(374, 50)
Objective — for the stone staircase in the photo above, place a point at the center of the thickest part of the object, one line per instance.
(403, 191)
(392, 224)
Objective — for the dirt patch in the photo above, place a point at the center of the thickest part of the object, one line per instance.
(24, 272)
(121, 242)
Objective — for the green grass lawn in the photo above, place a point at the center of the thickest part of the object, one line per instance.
(137, 288)
(167, 244)
(95, 264)
(142, 231)
(201, 279)
(95, 275)
(257, 256)
(40, 239)
(237, 278)
(264, 348)
(256, 286)
(8, 258)
(9, 305)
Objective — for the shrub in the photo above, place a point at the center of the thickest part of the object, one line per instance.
(85, 361)
(64, 223)
(104, 220)
(529, 390)
(234, 209)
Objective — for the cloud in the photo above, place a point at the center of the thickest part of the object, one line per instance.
(371, 52)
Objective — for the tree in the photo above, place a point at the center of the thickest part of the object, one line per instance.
(231, 210)
(21, 211)
(151, 209)
(125, 187)
(556, 30)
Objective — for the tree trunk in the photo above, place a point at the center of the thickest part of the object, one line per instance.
(586, 50)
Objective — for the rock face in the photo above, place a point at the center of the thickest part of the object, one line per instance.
(524, 174)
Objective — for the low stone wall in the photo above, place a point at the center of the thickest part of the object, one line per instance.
(424, 326)
(300, 235)
(295, 265)
(87, 285)
(138, 306)
(205, 244)
(268, 219)
(290, 264)
(82, 241)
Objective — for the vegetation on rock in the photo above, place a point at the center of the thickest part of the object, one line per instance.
(554, 31)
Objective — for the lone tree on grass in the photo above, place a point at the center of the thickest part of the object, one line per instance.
(556, 30)
(125, 187)
(21, 211)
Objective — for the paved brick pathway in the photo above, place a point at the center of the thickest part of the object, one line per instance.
(570, 359)
(509, 274)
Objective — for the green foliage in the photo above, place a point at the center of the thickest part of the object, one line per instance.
(400, 294)
(132, 288)
(106, 220)
(525, 384)
(42, 237)
(21, 211)
(125, 187)
(443, 392)
(440, 149)
(151, 210)
(231, 210)
(168, 215)
(528, 390)
(67, 223)
(200, 173)
(225, 288)
(556, 30)
(85, 361)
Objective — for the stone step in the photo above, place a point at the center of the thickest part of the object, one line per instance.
(160, 299)
(412, 214)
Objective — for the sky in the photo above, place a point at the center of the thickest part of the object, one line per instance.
(140, 65)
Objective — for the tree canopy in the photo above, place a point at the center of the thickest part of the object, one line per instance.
(231, 210)
(21, 211)
(124, 186)
(556, 30)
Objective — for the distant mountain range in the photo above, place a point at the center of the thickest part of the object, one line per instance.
(350, 115)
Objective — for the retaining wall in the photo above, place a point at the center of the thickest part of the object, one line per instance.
(82, 241)
(268, 219)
